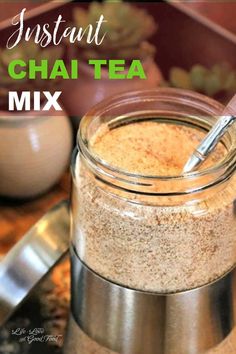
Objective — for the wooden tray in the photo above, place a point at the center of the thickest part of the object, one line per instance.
(9, 9)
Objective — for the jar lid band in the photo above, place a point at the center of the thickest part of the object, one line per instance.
(32, 258)
(129, 321)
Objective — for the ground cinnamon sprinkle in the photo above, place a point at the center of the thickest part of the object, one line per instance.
(150, 148)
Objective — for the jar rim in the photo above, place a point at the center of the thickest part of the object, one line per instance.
(220, 171)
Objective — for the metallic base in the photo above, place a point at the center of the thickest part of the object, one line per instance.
(127, 321)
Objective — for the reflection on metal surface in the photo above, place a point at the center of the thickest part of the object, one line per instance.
(134, 322)
(32, 257)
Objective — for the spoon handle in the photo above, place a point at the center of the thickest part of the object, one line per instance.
(212, 138)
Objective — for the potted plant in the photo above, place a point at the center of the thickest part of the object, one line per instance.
(218, 81)
(127, 31)
(35, 146)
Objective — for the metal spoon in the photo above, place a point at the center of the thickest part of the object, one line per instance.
(32, 257)
(212, 138)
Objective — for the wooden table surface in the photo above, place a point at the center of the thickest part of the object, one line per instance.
(17, 217)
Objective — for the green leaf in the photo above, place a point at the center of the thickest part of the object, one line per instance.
(212, 84)
(197, 75)
(180, 78)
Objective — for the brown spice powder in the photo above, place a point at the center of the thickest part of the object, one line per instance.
(161, 248)
(150, 148)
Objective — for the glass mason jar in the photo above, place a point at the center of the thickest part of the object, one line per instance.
(162, 234)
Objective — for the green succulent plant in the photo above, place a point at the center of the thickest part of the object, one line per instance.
(25, 51)
(127, 30)
(218, 79)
